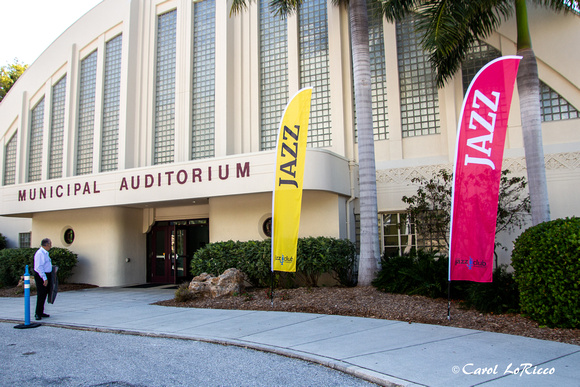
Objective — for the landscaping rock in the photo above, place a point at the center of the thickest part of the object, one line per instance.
(229, 283)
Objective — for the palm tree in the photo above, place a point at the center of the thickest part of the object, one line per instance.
(369, 250)
(449, 27)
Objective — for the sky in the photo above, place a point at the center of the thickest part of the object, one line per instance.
(30, 26)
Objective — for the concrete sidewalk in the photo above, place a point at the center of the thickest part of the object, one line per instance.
(382, 351)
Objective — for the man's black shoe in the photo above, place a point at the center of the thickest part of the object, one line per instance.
(37, 317)
(45, 315)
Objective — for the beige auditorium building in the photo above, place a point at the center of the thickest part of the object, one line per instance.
(147, 129)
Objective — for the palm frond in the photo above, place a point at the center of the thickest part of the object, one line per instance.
(281, 8)
(339, 3)
(284, 8)
(560, 5)
(449, 28)
(441, 25)
(238, 6)
(397, 10)
(446, 65)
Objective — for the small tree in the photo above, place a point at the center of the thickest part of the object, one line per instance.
(9, 74)
(430, 207)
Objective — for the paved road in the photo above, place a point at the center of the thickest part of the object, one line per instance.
(87, 358)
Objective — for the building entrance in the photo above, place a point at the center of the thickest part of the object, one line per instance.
(170, 247)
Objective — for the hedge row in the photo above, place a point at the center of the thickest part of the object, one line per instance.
(316, 256)
(13, 263)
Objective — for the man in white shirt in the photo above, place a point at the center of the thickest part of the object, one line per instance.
(42, 270)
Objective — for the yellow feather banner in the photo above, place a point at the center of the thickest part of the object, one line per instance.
(289, 179)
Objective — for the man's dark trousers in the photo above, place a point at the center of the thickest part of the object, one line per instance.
(41, 292)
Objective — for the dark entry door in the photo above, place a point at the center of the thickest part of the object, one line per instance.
(160, 255)
(171, 246)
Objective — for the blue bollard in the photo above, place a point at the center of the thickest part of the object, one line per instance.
(26, 296)
(27, 323)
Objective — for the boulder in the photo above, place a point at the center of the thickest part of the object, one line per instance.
(227, 284)
(32, 283)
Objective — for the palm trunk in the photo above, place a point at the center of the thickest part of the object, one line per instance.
(529, 92)
(369, 249)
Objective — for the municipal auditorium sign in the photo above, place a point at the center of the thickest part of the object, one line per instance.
(133, 182)
(249, 173)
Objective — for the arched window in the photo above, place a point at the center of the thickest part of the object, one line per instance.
(273, 74)
(418, 90)
(165, 88)
(111, 104)
(86, 109)
(36, 134)
(203, 105)
(554, 106)
(314, 69)
(57, 129)
(10, 160)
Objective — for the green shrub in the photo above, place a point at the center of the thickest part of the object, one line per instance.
(313, 260)
(3, 242)
(66, 261)
(499, 296)
(425, 273)
(14, 261)
(546, 259)
(422, 272)
(316, 256)
(253, 258)
(320, 255)
(343, 253)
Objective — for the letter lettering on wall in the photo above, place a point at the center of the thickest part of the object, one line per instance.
(227, 174)
(182, 176)
(243, 172)
(134, 183)
(196, 175)
(149, 179)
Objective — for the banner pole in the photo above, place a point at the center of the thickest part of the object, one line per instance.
(272, 288)
(448, 300)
